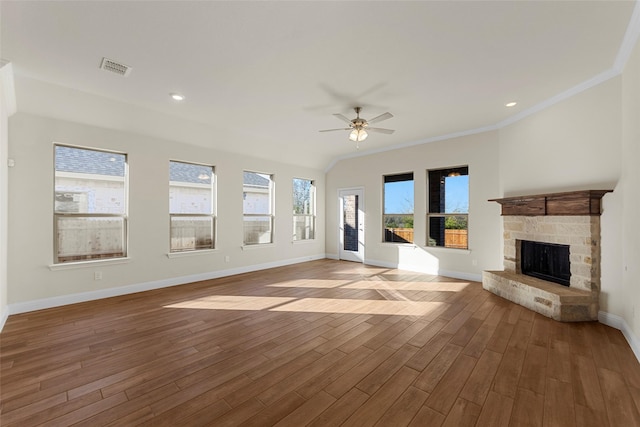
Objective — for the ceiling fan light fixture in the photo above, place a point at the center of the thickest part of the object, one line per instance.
(358, 135)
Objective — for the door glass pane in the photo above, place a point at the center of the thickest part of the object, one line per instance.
(350, 212)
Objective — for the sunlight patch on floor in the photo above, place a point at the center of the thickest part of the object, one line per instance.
(232, 302)
(409, 286)
(357, 306)
(308, 305)
(374, 283)
(311, 283)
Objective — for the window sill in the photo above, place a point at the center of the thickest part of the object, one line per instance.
(191, 253)
(88, 264)
(452, 250)
(256, 246)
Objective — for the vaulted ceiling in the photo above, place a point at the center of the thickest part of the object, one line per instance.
(263, 77)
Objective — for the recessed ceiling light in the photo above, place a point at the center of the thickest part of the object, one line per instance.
(511, 104)
(177, 97)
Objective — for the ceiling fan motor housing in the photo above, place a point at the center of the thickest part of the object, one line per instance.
(359, 123)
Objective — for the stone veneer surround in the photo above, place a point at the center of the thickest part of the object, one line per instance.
(581, 233)
(579, 301)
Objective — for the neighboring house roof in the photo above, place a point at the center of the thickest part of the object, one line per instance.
(79, 160)
(188, 172)
(255, 180)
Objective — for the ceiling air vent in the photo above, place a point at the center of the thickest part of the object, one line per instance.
(115, 67)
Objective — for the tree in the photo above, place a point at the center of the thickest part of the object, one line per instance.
(455, 223)
(301, 196)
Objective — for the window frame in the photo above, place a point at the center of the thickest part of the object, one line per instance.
(270, 214)
(212, 215)
(57, 215)
(461, 170)
(312, 209)
(390, 178)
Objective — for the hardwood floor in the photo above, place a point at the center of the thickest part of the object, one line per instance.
(321, 343)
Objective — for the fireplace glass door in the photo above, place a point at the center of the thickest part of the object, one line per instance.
(546, 261)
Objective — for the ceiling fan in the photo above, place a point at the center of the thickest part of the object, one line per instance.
(359, 127)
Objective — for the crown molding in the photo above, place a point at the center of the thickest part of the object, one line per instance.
(410, 144)
(630, 39)
(626, 48)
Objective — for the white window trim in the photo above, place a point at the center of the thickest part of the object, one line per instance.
(446, 214)
(271, 191)
(89, 263)
(124, 216)
(184, 254)
(212, 215)
(384, 214)
(312, 214)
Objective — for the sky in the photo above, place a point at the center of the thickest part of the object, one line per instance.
(456, 196)
(399, 195)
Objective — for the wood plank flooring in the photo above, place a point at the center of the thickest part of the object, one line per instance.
(322, 343)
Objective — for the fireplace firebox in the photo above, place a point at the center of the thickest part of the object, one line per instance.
(546, 261)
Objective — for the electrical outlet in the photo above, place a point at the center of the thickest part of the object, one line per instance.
(97, 275)
(474, 262)
(227, 258)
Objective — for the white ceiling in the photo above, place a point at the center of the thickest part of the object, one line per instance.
(263, 77)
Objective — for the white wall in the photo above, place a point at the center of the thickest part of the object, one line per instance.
(628, 297)
(572, 145)
(479, 152)
(5, 108)
(31, 234)
(575, 144)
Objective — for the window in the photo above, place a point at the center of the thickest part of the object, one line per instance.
(304, 209)
(257, 208)
(398, 208)
(90, 207)
(447, 219)
(191, 206)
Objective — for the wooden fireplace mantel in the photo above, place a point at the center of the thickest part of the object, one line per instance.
(585, 202)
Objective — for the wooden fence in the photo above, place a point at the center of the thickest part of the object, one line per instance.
(456, 239)
(452, 238)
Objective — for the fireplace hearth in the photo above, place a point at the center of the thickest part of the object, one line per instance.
(551, 254)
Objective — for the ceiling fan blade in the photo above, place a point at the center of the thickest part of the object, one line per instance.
(380, 118)
(381, 130)
(343, 118)
(331, 130)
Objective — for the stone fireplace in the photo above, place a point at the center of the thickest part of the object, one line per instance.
(547, 224)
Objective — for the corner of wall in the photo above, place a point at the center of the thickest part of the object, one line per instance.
(619, 323)
(7, 108)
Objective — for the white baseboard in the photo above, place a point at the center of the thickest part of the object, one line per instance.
(4, 315)
(453, 274)
(618, 322)
(41, 304)
(608, 319)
